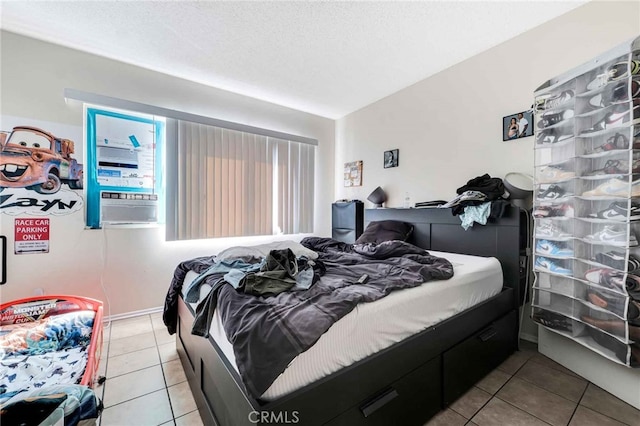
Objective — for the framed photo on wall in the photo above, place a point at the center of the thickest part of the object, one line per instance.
(353, 173)
(516, 126)
(391, 158)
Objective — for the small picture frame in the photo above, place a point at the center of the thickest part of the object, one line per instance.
(353, 173)
(516, 126)
(391, 158)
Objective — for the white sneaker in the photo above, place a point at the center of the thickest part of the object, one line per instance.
(613, 234)
(550, 230)
(614, 188)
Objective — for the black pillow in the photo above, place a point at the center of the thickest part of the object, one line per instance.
(385, 230)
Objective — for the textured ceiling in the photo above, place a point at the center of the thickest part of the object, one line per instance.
(327, 58)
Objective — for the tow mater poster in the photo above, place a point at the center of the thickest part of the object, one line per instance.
(39, 172)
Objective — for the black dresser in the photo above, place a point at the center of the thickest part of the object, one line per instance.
(347, 221)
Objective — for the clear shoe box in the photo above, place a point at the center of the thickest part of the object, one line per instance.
(582, 311)
(588, 293)
(554, 192)
(614, 92)
(623, 234)
(603, 210)
(557, 211)
(604, 143)
(556, 172)
(547, 155)
(606, 256)
(604, 166)
(556, 228)
(593, 338)
(598, 78)
(560, 249)
(558, 135)
(608, 187)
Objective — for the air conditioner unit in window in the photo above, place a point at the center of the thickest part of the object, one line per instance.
(127, 207)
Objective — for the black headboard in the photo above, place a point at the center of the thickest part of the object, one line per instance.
(438, 229)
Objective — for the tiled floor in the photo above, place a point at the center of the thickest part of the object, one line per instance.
(530, 389)
(146, 385)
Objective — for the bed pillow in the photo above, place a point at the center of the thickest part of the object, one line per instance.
(385, 230)
(263, 250)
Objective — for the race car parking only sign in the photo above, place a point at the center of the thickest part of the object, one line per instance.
(31, 235)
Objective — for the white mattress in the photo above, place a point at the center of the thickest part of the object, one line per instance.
(371, 327)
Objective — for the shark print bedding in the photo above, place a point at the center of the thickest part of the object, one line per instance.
(43, 353)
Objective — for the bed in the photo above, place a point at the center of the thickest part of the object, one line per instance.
(49, 354)
(421, 363)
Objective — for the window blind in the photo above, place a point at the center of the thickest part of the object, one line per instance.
(230, 183)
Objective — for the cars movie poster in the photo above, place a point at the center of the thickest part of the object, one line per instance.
(39, 172)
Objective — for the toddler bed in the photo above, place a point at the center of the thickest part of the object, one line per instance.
(50, 348)
(397, 360)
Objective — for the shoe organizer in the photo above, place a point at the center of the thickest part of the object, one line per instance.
(554, 192)
(611, 117)
(556, 97)
(608, 187)
(551, 265)
(559, 117)
(556, 172)
(587, 204)
(583, 311)
(554, 249)
(613, 93)
(604, 256)
(555, 210)
(600, 167)
(556, 321)
(557, 135)
(604, 143)
(624, 234)
(589, 304)
(547, 155)
(606, 211)
(556, 228)
(597, 79)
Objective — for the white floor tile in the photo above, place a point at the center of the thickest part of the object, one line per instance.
(168, 352)
(133, 385)
(173, 372)
(152, 409)
(133, 361)
(181, 399)
(191, 419)
(131, 344)
(130, 327)
(163, 336)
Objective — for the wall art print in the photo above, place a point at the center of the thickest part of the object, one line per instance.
(353, 173)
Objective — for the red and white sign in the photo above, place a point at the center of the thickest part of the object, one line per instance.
(31, 235)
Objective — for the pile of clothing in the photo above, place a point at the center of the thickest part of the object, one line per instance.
(480, 200)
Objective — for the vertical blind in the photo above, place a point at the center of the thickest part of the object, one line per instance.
(233, 183)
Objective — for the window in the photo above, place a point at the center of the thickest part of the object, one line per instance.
(227, 183)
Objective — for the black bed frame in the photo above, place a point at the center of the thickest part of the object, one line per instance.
(405, 384)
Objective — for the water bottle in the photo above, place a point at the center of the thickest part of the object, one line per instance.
(407, 201)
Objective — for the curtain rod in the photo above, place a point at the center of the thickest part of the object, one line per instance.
(108, 101)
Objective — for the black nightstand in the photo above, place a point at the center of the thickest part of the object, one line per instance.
(347, 221)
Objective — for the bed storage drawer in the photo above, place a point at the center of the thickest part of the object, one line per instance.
(473, 358)
(407, 401)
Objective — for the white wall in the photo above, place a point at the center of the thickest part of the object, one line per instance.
(449, 127)
(136, 265)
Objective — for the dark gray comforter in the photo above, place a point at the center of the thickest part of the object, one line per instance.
(267, 333)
